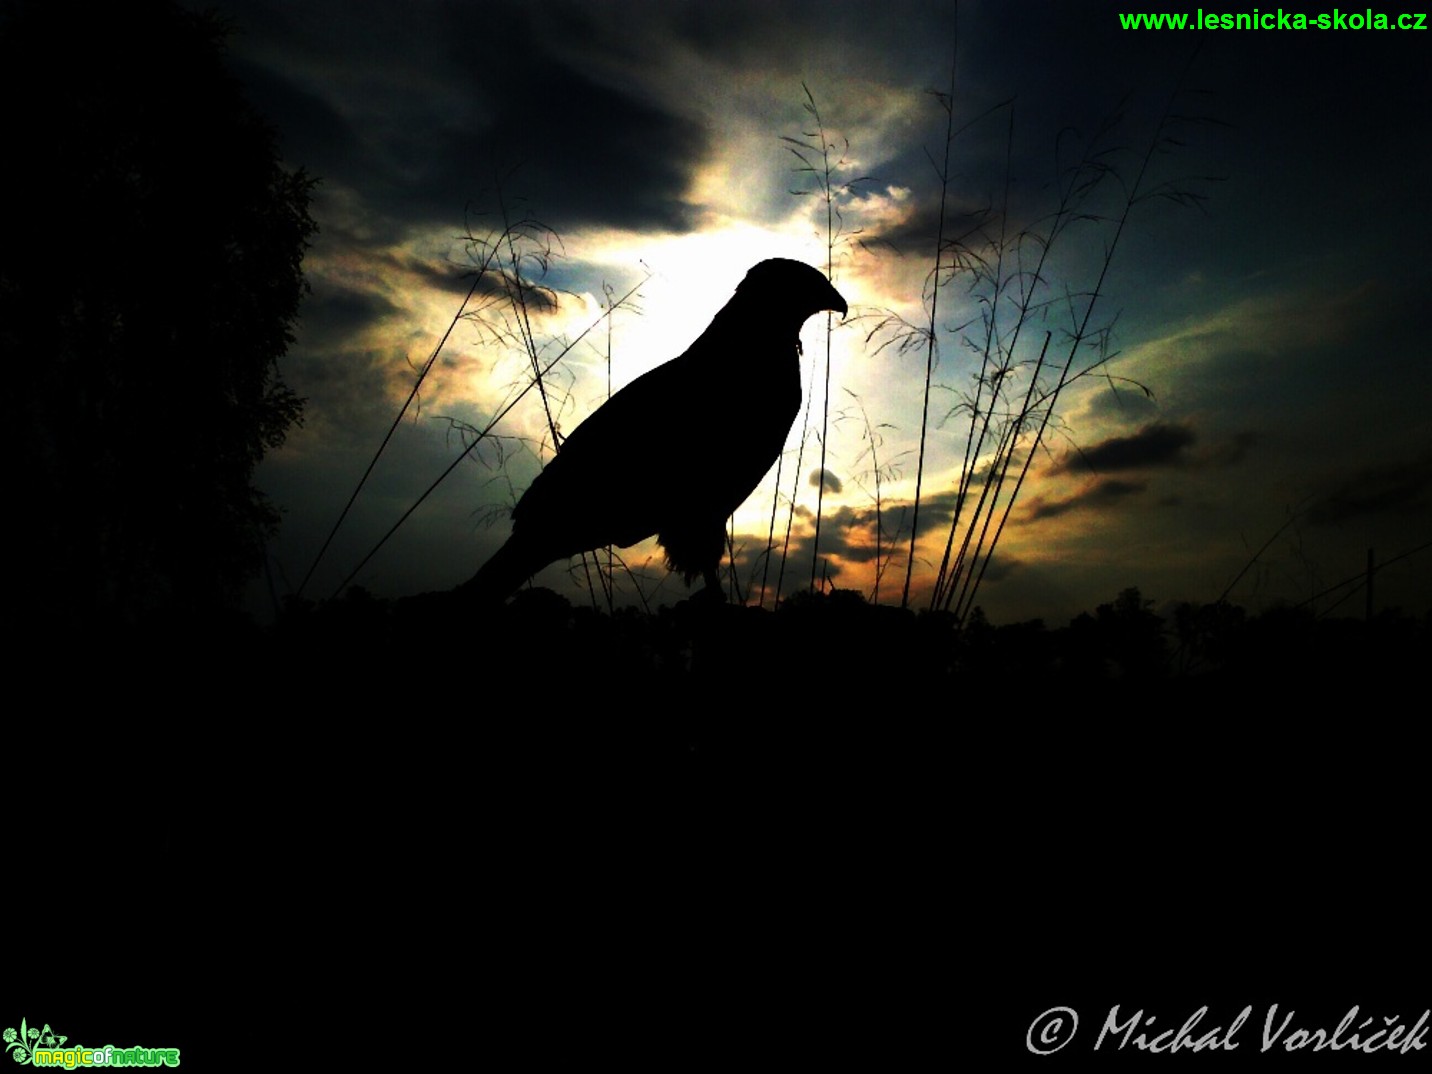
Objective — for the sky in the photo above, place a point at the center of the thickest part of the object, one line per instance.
(1239, 268)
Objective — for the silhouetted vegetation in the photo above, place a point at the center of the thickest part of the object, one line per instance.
(143, 309)
(842, 648)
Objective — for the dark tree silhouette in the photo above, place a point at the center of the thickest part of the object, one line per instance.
(149, 281)
(677, 450)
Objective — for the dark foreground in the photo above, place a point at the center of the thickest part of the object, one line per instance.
(714, 837)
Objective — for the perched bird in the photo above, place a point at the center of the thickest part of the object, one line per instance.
(677, 450)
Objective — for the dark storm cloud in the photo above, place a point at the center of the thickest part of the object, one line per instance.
(759, 33)
(1153, 445)
(1401, 489)
(490, 95)
(580, 152)
(831, 482)
(1103, 494)
(312, 134)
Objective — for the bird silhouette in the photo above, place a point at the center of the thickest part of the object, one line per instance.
(677, 450)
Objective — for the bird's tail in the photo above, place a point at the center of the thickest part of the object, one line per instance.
(499, 577)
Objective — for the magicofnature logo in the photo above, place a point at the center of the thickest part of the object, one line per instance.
(45, 1048)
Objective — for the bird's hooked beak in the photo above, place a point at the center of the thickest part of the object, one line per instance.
(835, 302)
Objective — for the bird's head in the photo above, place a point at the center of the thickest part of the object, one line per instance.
(793, 287)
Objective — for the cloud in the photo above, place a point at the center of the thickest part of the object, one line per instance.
(458, 279)
(1100, 495)
(848, 546)
(909, 225)
(420, 116)
(333, 313)
(1158, 444)
(826, 478)
(1400, 489)
(750, 562)
(1231, 451)
(1001, 567)
(1122, 404)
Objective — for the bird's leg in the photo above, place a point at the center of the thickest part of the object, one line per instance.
(712, 592)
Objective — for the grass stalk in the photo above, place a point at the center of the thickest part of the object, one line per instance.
(816, 153)
(931, 341)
